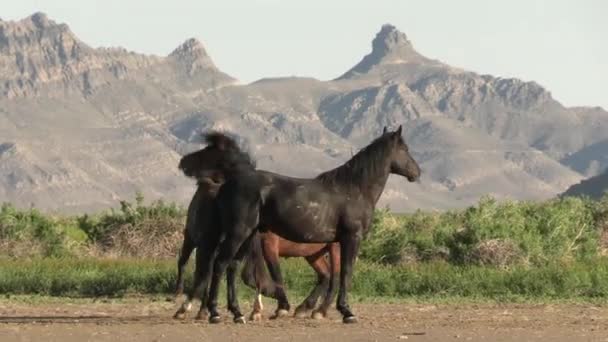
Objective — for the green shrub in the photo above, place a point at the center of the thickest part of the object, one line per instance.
(491, 233)
(31, 233)
(500, 234)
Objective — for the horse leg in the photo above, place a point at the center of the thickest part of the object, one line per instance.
(319, 264)
(254, 275)
(349, 246)
(256, 314)
(223, 262)
(248, 275)
(233, 305)
(203, 267)
(184, 255)
(334, 257)
(271, 255)
(233, 266)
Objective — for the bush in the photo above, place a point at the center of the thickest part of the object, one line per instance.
(500, 234)
(491, 233)
(27, 233)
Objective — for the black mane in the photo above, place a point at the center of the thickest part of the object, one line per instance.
(367, 163)
(234, 156)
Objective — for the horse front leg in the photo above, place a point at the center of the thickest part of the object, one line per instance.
(226, 260)
(349, 247)
(233, 304)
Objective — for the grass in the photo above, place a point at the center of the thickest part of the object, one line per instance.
(510, 250)
(123, 277)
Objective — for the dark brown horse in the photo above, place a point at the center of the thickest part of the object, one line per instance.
(269, 247)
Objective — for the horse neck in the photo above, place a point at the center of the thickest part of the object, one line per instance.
(374, 182)
(377, 187)
(238, 171)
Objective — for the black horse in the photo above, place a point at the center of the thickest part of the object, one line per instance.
(267, 245)
(202, 219)
(336, 206)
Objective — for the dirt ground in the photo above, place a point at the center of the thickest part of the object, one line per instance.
(144, 320)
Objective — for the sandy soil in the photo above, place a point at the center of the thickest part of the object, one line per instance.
(151, 321)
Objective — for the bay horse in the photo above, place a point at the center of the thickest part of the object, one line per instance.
(272, 246)
(335, 206)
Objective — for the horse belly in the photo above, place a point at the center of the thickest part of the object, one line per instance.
(293, 249)
(310, 223)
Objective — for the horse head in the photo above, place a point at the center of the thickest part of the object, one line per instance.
(220, 157)
(402, 163)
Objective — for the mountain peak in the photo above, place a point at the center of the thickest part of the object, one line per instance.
(391, 41)
(193, 54)
(190, 46)
(390, 46)
(40, 19)
(32, 30)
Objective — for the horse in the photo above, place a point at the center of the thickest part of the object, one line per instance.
(200, 217)
(272, 246)
(201, 207)
(335, 206)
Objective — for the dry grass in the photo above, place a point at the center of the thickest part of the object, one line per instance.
(146, 239)
(496, 252)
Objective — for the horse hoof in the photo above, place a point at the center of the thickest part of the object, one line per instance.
(280, 313)
(303, 313)
(239, 320)
(318, 315)
(255, 317)
(349, 320)
(201, 316)
(179, 315)
(215, 319)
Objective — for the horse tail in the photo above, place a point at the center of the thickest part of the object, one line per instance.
(255, 273)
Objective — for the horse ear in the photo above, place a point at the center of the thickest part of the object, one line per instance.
(398, 132)
(217, 139)
(221, 144)
(384, 130)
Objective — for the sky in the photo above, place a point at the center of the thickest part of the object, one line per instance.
(561, 44)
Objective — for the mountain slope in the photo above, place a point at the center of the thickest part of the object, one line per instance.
(82, 127)
(594, 187)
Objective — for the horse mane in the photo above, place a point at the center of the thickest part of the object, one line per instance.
(236, 157)
(220, 139)
(368, 162)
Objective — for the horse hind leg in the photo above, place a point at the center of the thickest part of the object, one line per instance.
(321, 267)
(258, 307)
(203, 268)
(196, 289)
(271, 255)
(330, 294)
(184, 255)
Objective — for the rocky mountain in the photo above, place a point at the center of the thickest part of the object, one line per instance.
(82, 127)
(594, 187)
